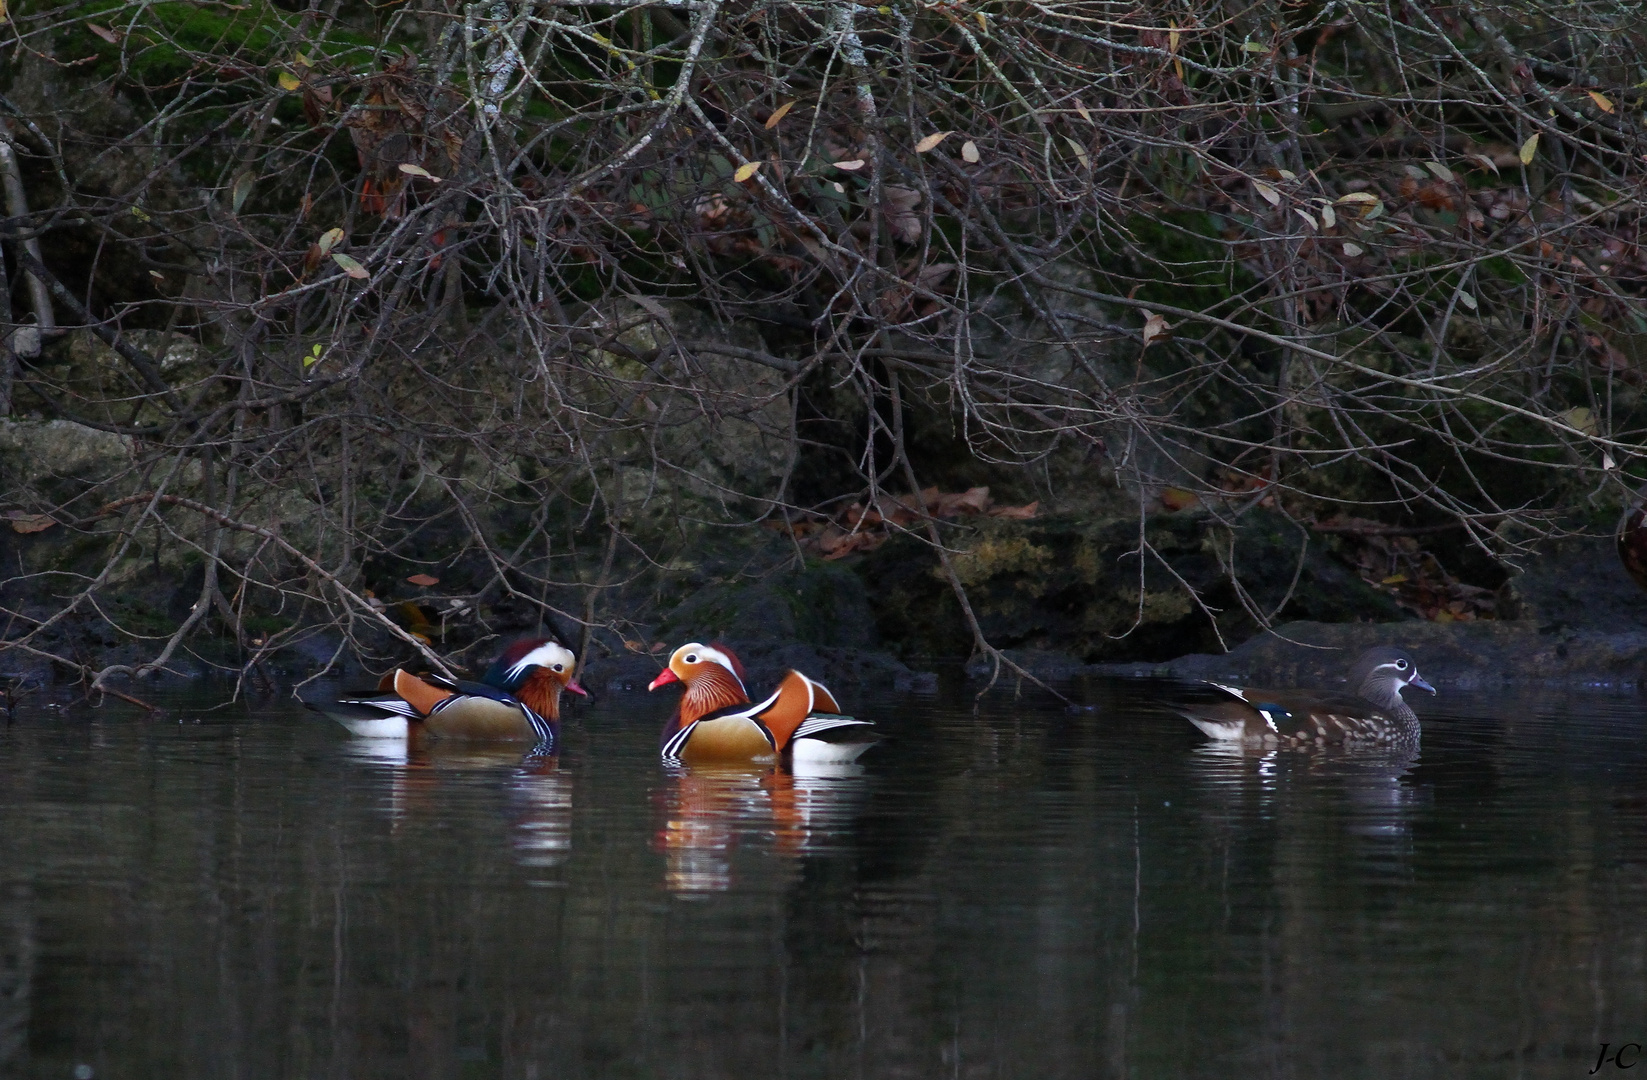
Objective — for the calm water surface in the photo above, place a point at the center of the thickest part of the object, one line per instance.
(1012, 892)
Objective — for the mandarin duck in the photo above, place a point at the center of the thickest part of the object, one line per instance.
(518, 698)
(1377, 715)
(716, 721)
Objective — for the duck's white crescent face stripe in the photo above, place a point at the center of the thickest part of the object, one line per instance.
(705, 652)
(546, 655)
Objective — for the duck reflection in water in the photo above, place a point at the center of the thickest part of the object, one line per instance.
(539, 807)
(1371, 784)
(709, 814)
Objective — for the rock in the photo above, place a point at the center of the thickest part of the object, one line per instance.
(1045, 664)
(917, 682)
(42, 450)
(822, 604)
(1580, 584)
(1461, 655)
(625, 673)
(1071, 585)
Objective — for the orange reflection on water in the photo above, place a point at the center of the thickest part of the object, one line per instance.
(708, 813)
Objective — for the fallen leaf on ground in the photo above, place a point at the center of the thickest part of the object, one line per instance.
(1016, 513)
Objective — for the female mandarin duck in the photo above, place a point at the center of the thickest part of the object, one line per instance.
(518, 698)
(717, 722)
(1376, 715)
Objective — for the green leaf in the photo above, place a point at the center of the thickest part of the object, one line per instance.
(350, 266)
(243, 185)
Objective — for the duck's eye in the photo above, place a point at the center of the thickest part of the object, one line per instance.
(1401, 665)
(560, 667)
(691, 658)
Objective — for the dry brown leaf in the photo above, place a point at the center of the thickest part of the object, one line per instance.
(1174, 498)
(933, 274)
(30, 523)
(850, 166)
(423, 579)
(104, 32)
(969, 152)
(900, 212)
(745, 171)
(1155, 326)
(1016, 513)
(779, 113)
(931, 141)
(971, 501)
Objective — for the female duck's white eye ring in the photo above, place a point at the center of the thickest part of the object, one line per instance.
(690, 658)
(1401, 665)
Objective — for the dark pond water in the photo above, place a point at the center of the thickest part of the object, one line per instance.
(1016, 892)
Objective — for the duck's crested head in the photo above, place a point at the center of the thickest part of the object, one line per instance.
(695, 661)
(1383, 672)
(519, 660)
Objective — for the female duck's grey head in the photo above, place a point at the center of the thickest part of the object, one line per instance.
(1382, 673)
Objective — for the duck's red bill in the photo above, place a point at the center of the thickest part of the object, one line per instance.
(665, 677)
(573, 686)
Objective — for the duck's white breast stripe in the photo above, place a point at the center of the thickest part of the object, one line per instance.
(672, 748)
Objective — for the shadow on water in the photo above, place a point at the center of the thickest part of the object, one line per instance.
(1013, 892)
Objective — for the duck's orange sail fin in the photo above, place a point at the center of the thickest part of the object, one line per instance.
(790, 705)
(822, 699)
(422, 696)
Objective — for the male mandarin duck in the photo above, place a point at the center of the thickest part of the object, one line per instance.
(1377, 715)
(716, 722)
(518, 698)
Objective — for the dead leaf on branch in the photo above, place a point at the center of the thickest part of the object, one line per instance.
(26, 523)
(899, 208)
(404, 120)
(1155, 326)
(931, 141)
(779, 113)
